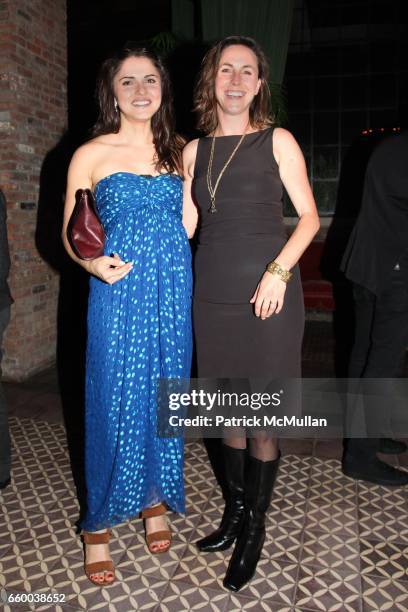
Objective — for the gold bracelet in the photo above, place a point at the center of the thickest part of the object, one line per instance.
(275, 268)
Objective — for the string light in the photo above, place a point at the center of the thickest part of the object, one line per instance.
(368, 131)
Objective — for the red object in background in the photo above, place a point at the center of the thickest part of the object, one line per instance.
(318, 293)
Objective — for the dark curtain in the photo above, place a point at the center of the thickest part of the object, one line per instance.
(268, 21)
(182, 18)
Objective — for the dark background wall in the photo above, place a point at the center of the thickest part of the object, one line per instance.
(347, 71)
(97, 28)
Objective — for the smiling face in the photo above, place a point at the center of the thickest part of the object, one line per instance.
(137, 88)
(237, 80)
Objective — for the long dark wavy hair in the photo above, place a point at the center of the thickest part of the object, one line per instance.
(205, 102)
(167, 143)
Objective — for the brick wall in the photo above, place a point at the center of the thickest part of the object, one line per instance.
(33, 111)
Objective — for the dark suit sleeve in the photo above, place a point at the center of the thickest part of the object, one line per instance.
(380, 237)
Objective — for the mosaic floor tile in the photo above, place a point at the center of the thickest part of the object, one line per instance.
(381, 523)
(237, 603)
(335, 551)
(130, 593)
(133, 557)
(205, 569)
(334, 518)
(385, 559)
(282, 544)
(183, 597)
(384, 594)
(328, 589)
(331, 543)
(274, 581)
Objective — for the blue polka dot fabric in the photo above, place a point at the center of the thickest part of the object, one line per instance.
(139, 329)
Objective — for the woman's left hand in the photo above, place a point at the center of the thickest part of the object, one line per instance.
(269, 296)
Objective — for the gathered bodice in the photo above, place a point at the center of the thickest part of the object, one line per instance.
(122, 193)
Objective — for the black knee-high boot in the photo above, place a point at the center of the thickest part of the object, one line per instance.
(232, 519)
(258, 491)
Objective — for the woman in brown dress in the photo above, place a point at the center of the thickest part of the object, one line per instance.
(248, 318)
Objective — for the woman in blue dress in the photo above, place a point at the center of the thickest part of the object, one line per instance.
(139, 327)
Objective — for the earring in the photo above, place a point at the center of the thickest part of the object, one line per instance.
(115, 104)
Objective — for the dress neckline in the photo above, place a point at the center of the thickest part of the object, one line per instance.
(142, 176)
(239, 135)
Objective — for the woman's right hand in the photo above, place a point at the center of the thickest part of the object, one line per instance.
(109, 269)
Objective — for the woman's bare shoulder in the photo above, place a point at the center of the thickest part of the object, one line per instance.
(190, 148)
(189, 157)
(91, 152)
(284, 144)
(282, 137)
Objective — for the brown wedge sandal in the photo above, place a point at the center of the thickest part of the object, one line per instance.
(156, 536)
(98, 567)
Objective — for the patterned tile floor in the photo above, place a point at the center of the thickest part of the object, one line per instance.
(332, 544)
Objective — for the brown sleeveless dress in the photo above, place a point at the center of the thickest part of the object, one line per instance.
(234, 246)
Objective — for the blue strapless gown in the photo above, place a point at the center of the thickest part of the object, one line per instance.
(139, 329)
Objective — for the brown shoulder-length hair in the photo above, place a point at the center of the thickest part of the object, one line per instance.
(167, 143)
(205, 103)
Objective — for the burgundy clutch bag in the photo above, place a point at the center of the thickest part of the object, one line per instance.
(85, 232)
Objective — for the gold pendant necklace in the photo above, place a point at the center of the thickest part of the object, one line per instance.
(213, 190)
